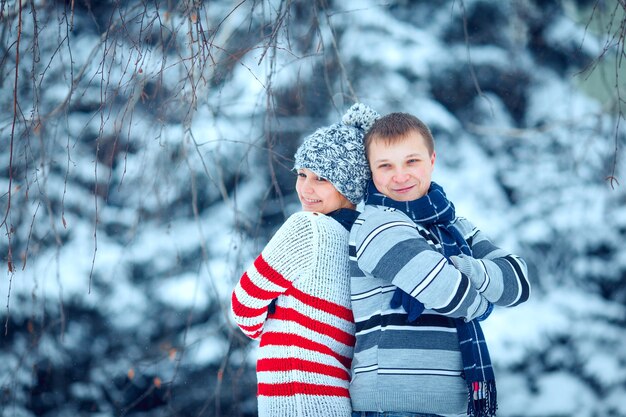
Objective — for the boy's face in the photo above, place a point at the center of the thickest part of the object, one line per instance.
(402, 171)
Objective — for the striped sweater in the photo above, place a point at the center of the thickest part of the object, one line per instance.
(417, 367)
(306, 345)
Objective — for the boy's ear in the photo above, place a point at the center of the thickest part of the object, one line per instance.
(432, 158)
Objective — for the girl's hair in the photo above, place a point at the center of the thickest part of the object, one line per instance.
(395, 127)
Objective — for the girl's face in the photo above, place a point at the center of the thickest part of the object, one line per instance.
(318, 194)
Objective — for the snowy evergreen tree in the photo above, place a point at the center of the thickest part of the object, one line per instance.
(146, 152)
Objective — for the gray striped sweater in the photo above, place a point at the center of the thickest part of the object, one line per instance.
(417, 367)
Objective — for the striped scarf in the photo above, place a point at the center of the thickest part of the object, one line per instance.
(436, 213)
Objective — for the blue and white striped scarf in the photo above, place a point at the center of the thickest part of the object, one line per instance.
(436, 212)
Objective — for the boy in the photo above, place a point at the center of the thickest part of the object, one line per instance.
(408, 248)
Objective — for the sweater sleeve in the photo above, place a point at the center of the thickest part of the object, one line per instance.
(500, 276)
(287, 256)
(389, 247)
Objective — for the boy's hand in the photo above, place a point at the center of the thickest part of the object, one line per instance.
(411, 305)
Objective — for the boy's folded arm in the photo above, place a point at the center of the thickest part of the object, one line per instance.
(394, 250)
(497, 274)
(503, 281)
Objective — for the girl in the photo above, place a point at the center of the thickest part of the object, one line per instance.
(295, 298)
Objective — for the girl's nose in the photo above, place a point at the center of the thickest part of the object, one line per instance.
(308, 185)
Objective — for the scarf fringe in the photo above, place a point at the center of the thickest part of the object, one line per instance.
(483, 399)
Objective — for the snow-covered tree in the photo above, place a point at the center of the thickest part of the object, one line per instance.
(146, 151)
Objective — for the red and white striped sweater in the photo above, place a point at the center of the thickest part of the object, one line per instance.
(303, 366)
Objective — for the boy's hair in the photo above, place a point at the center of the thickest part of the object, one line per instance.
(394, 127)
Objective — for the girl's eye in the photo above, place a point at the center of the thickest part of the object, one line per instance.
(301, 175)
(320, 179)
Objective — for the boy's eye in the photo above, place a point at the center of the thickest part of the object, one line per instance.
(383, 166)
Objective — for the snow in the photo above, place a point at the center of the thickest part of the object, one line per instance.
(183, 292)
(204, 349)
(560, 393)
(160, 280)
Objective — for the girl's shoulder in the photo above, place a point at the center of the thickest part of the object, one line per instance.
(308, 217)
(302, 222)
(312, 222)
(304, 217)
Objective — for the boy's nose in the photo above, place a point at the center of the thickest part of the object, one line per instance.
(400, 177)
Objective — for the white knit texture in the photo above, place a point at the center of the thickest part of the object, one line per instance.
(306, 347)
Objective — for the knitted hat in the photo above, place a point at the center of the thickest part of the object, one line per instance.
(337, 152)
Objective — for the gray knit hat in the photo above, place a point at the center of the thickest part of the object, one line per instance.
(337, 152)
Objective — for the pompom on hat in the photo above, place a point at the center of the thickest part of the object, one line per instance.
(337, 152)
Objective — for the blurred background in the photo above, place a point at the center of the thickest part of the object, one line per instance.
(146, 152)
